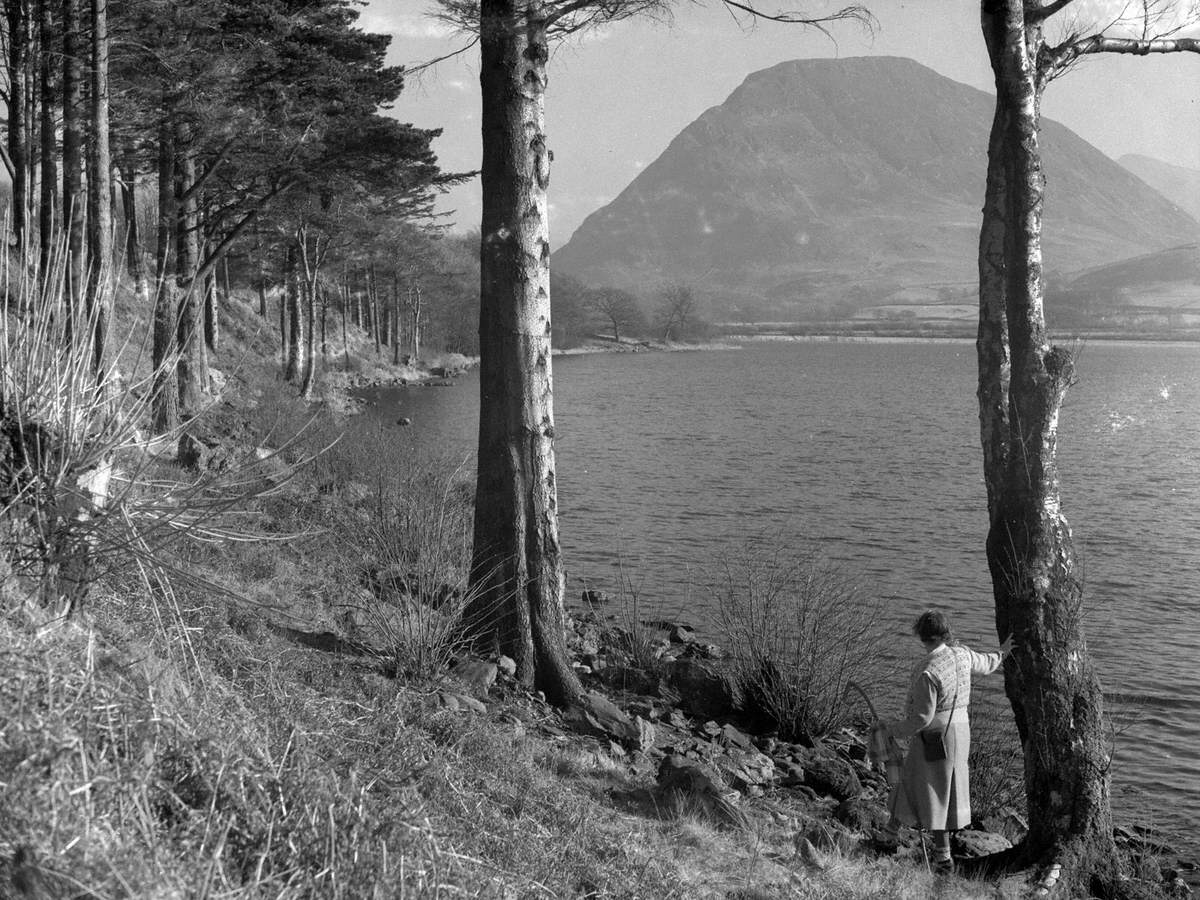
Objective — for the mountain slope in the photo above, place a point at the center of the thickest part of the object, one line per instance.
(1177, 183)
(826, 180)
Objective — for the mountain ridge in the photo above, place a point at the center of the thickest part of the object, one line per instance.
(824, 181)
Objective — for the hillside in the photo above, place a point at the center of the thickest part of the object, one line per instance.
(820, 181)
(1177, 183)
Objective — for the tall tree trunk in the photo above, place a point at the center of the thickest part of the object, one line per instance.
(416, 322)
(193, 360)
(72, 153)
(295, 316)
(516, 572)
(310, 355)
(287, 270)
(373, 300)
(17, 14)
(260, 255)
(48, 201)
(212, 312)
(100, 227)
(135, 264)
(324, 324)
(1038, 591)
(399, 327)
(345, 304)
(164, 350)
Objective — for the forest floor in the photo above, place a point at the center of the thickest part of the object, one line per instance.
(254, 719)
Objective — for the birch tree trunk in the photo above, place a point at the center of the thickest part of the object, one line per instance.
(517, 575)
(1038, 591)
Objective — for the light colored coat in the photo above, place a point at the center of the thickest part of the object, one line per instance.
(936, 795)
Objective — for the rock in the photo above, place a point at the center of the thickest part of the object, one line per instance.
(830, 775)
(746, 769)
(859, 815)
(216, 381)
(205, 456)
(404, 421)
(506, 667)
(596, 714)
(732, 737)
(791, 773)
(702, 691)
(594, 598)
(682, 634)
(970, 844)
(476, 674)
(459, 702)
(828, 835)
(686, 786)
(629, 678)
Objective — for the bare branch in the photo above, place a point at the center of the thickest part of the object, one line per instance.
(1045, 12)
(1061, 57)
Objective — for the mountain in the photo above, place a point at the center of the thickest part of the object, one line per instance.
(1177, 183)
(820, 181)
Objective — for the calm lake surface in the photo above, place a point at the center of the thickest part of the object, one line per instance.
(870, 451)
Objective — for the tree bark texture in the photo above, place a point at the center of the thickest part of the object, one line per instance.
(135, 264)
(193, 360)
(18, 127)
(1038, 591)
(48, 143)
(72, 150)
(100, 214)
(295, 319)
(163, 351)
(517, 574)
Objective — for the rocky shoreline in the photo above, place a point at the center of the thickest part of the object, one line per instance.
(660, 702)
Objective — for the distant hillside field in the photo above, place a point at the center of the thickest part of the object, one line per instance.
(825, 185)
(1179, 184)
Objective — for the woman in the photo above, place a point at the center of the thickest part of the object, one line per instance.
(933, 792)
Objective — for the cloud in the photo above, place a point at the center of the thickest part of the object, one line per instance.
(457, 84)
(410, 25)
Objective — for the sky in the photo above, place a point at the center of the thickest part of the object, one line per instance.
(615, 99)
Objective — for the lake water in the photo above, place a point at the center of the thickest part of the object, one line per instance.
(871, 452)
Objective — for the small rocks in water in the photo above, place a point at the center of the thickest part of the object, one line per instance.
(403, 421)
(595, 598)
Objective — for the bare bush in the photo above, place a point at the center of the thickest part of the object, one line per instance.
(410, 545)
(798, 630)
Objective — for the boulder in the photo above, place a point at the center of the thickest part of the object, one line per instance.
(969, 844)
(860, 815)
(745, 769)
(682, 634)
(404, 421)
(596, 714)
(702, 690)
(830, 775)
(506, 666)
(689, 787)
(458, 702)
(204, 455)
(732, 737)
(478, 676)
(594, 598)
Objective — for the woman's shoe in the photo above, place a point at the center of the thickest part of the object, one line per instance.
(944, 866)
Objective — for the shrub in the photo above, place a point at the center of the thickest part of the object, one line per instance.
(797, 630)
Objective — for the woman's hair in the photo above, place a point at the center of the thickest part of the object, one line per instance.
(932, 626)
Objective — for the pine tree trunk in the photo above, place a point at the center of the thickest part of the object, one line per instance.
(18, 141)
(416, 323)
(517, 573)
(72, 152)
(1038, 590)
(373, 299)
(399, 327)
(212, 312)
(294, 316)
(163, 352)
(310, 348)
(135, 264)
(100, 216)
(193, 360)
(284, 348)
(48, 201)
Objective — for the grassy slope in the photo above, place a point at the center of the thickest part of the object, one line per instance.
(182, 743)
